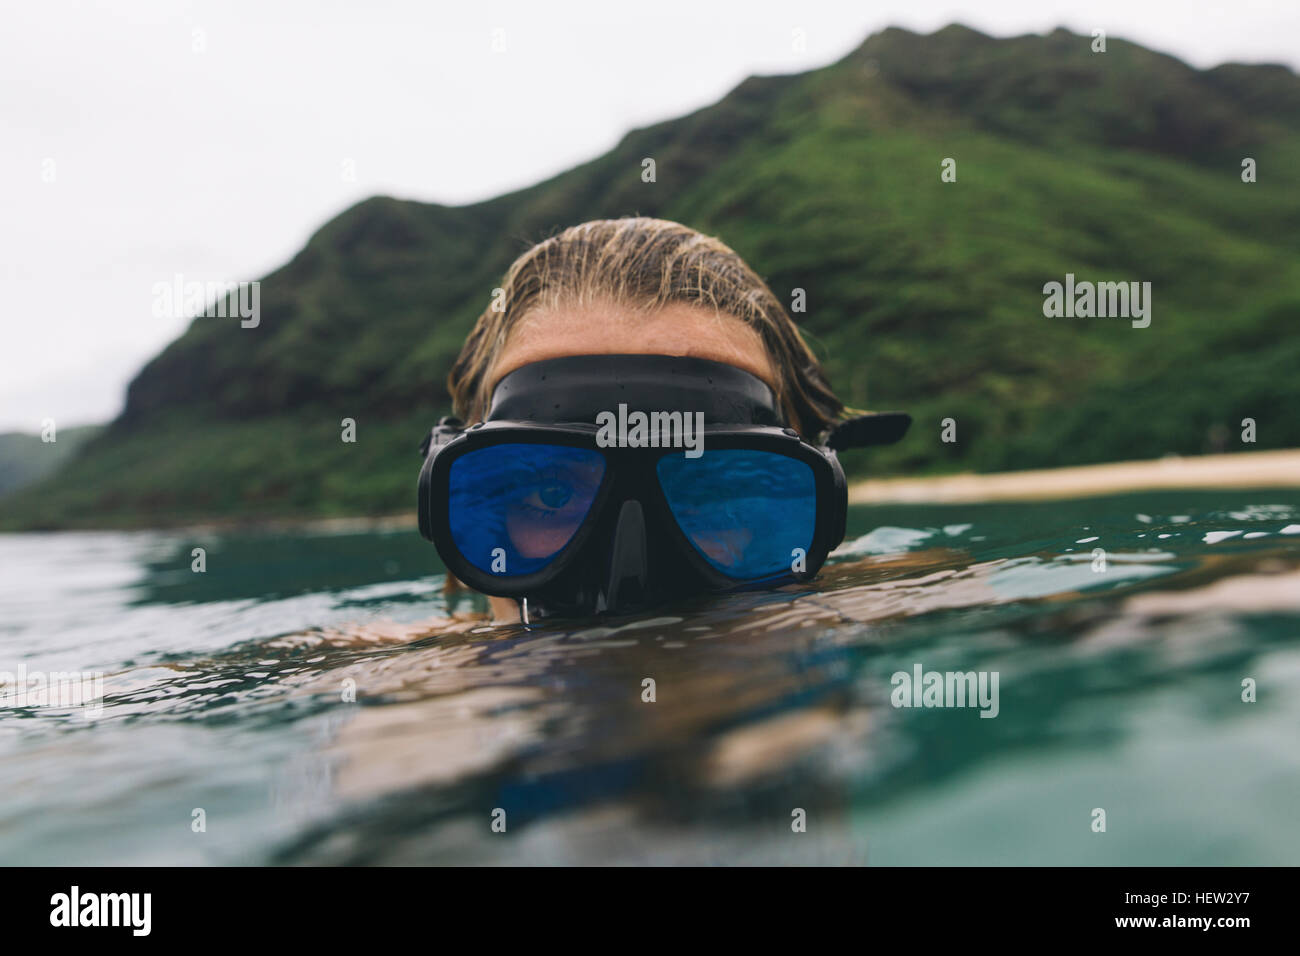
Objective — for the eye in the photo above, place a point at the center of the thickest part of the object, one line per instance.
(554, 494)
(547, 495)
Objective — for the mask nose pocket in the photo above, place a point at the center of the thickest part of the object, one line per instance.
(628, 566)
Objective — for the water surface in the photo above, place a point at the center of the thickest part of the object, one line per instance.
(229, 692)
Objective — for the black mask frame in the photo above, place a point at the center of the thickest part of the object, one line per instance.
(629, 550)
(630, 476)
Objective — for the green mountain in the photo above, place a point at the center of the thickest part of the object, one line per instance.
(922, 294)
(25, 458)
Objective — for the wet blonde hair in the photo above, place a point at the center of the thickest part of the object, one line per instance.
(644, 264)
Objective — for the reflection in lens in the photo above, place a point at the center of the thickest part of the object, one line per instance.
(745, 511)
(513, 507)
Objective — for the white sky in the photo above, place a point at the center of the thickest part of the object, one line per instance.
(220, 164)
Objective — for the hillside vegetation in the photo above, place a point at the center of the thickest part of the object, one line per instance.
(921, 295)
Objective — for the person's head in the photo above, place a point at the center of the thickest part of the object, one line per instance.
(655, 317)
(640, 286)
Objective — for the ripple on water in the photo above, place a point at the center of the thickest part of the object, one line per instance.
(315, 697)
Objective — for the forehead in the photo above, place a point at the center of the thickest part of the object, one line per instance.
(608, 329)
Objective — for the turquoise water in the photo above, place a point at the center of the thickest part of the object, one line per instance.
(1119, 688)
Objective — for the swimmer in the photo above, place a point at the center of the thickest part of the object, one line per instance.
(638, 420)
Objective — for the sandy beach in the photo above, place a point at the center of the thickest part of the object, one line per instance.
(1263, 469)
(1258, 469)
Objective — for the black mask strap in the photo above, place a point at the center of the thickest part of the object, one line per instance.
(874, 428)
(577, 388)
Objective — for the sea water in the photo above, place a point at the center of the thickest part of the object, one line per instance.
(305, 699)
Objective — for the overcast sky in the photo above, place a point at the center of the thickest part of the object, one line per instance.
(210, 139)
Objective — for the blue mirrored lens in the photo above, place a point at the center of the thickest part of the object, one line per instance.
(513, 508)
(745, 511)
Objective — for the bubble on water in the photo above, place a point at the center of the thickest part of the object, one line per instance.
(1214, 537)
(884, 540)
(1262, 513)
